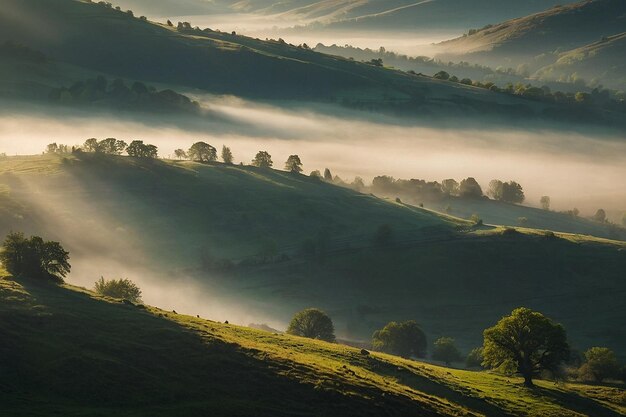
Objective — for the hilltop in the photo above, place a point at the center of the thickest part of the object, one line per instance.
(68, 351)
(70, 32)
(274, 242)
(533, 40)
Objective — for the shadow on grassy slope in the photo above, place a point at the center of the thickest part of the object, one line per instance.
(64, 350)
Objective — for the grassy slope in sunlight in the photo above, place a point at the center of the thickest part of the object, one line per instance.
(184, 216)
(65, 350)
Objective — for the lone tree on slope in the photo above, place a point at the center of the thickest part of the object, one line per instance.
(293, 164)
(312, 323)
(527, 340)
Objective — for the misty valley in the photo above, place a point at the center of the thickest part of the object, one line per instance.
(315, 208)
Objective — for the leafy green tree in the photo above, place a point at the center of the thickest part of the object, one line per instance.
(118, 288)
(403, 339)
(358, 184)
(442, 75)
(33, 257)
(180, 154)
(293, 164)
(112, 146)
(469, 188)
(545, 202)
(312, 323)
(328, 176)
(445, 350)
(600, 364)
(227, 155)
(474, 359)
(527, 341)
(262, 160)
(202, 152)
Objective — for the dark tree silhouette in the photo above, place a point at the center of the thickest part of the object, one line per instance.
(202, 152)
(262, 160)
(34, 258)
(227, 155)
(293, 164)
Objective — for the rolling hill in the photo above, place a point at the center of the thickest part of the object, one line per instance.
(70, 32)
(533, 40)
(271, 243)
(65, 350)
(601, 62)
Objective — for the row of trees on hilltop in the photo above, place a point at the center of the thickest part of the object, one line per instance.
(108, 146)
(525, 342)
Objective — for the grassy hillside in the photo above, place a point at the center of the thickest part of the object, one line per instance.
(71, 32)
(600, 62)
(274, 242)
(67, 351)
(412, 15)
(521, 40)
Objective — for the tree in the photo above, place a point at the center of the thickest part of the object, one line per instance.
(600, 216)
(600, 364)
(474, 359)
(446, 351)
(180, 154)
(202, 152)
(294, 164)
(510, 192)
(52, 148)
(112, 146)
(33, 257)
(227, 155)
(312, 323)
(526, 340)
(119, 288)
(450, 187)
(137, 149)
(328, 176)
(469, 188)
(545, 202)
(403, 339)
(262, 160)
(442, 75)
(91, 145)
(624, 220)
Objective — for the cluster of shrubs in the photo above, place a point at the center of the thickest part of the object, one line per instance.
(138, 95)
(546, 351)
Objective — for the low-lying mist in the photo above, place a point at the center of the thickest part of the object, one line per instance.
(585, 171)
(575, 170)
